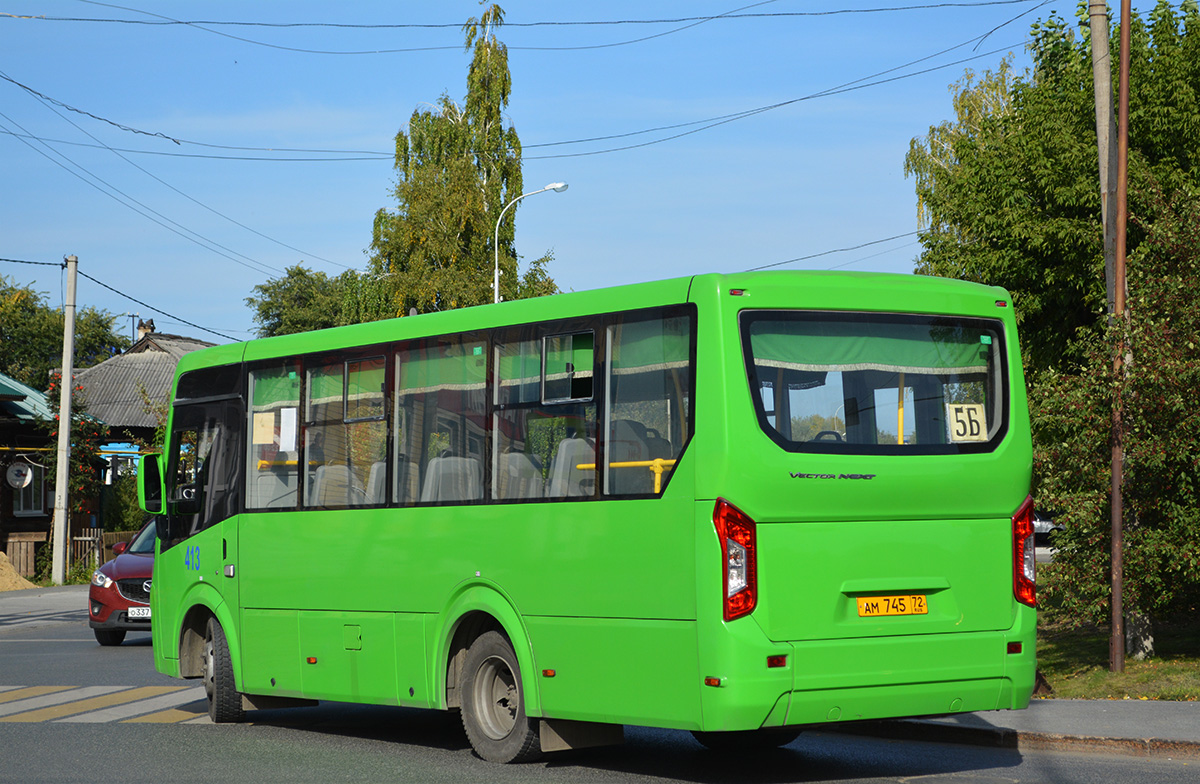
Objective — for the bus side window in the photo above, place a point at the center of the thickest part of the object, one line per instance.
(345, 433)
(544, 426)
(272, 460)
(647, 408)
(440, 409)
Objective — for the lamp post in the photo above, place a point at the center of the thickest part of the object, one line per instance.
(557, 187)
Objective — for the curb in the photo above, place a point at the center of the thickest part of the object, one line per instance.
(1005, 738)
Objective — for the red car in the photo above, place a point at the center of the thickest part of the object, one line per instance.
(119, 599)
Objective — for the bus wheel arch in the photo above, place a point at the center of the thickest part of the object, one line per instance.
(469, 616)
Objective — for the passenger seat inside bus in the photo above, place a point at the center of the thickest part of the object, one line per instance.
(333, 485)
(450, 478)
(565, 479)
(518, 476)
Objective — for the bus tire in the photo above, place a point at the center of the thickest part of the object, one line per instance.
(493, 703)
(110, 636)
(747, 740)
(224, 701)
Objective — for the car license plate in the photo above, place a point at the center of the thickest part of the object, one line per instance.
(872, 606)
(139, 612)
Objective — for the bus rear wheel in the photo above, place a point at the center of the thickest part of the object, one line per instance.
(747, 740)
(224, 701)
(493, 703)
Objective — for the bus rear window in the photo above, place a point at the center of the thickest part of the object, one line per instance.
(871, 383)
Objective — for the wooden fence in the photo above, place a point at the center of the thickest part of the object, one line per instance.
(22, 551)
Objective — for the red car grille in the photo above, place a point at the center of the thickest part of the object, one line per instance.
(136, 590)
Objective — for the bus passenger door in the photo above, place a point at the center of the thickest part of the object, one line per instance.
(200, 545)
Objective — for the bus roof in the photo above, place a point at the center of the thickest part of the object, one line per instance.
(868, 287)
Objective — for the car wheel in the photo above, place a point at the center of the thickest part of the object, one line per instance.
(493, 703)
(109, 636)
(768, 738)
(224, 701)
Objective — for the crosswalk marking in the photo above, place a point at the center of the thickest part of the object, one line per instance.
(10, 693)
(127, 711)
(97, 704)
(172, 716)
(56, 698)
(94, 703)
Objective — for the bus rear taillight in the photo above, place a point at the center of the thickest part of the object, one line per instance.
(739, 553)
(1024, 555)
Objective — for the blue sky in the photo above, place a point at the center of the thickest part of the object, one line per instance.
(813, 176)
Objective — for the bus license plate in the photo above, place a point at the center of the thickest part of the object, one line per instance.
(872, 606)
(139, 612)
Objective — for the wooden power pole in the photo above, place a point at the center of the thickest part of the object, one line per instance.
(1116, 644)
(61, 513)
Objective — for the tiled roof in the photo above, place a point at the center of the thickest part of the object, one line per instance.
(113, 389)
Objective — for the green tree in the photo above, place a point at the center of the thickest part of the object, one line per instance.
(1072, 418)
(301, 301)
(457, 167)
(31, 335)
(1008, 192)
(1009, 195)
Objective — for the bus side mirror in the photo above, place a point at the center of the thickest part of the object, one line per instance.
(150, 484)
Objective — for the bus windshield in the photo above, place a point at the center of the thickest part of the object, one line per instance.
(870, 383)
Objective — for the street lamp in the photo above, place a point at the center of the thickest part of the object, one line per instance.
(557, 187)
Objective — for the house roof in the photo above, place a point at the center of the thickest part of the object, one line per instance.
(113, 389)
(21, 402)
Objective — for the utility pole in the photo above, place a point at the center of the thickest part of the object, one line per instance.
(59, 571)
(1106, 138)
(1116, 643)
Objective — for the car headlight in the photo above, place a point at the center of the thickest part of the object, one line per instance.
(101, 580)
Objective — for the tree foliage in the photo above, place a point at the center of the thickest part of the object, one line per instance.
(84, 479)
(301, 301)
(1072, 419)
(31, 335)
(1008, 192)
(304, 300)
(457, 167)
(1009, 195)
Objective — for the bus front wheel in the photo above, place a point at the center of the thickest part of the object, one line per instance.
(493, 703)
(224, 701)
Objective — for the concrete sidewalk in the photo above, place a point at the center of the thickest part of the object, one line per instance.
(1142, 727)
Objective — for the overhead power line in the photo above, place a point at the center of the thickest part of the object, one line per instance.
(125, 200)
(831, 252)
(544, 23)
(151, 307)
(119, 293)
(686, 22)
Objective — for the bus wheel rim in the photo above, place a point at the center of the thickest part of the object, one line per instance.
(497, 698)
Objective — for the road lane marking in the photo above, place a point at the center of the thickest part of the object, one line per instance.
(62, 694)
(183, 696)
(93, 703)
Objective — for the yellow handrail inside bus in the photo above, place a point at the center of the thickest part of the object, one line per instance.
(657, 465)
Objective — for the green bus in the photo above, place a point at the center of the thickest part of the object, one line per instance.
(731, 504)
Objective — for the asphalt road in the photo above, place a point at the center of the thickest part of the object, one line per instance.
(72, 711)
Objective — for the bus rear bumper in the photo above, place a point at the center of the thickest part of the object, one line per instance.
(876, 678)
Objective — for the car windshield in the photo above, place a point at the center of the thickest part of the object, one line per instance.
(876, 383)
(143, 543)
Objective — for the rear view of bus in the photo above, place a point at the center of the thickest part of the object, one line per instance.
(868, 501)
